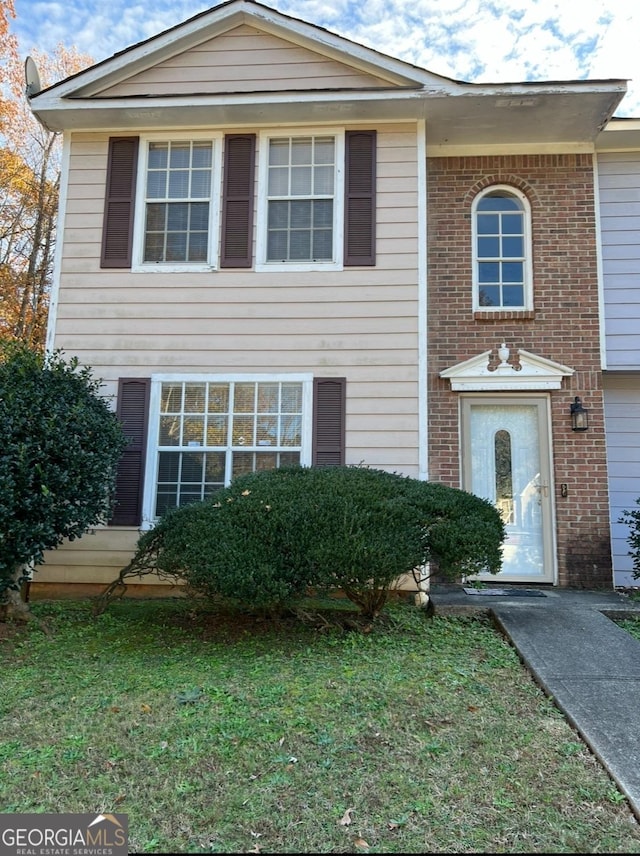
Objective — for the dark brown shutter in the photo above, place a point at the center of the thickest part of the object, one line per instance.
(360, 198)
(117, 230)
(237, 200)
(329, 407)
(133, 413)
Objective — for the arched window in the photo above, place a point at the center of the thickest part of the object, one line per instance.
(501, 250)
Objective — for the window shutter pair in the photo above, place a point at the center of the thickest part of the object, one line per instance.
(328, 443)
(360, 199)
(238, 200)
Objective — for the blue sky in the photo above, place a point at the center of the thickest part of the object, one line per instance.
(480, 41)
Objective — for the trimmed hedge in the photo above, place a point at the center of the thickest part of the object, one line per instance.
(270, 536)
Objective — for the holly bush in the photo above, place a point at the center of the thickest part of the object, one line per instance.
(60, 448)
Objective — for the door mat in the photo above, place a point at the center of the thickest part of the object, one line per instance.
(495, 592)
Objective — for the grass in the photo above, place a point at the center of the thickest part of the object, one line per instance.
(631, 625)
(225, 733)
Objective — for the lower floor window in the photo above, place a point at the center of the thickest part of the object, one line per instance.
(210, 432)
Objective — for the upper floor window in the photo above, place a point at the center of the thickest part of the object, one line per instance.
(300, 215)
(502, 250)
(171, 201)
(176, 217)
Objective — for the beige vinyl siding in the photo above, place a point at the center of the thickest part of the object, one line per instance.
(235, 61)
(359, 322)
(95, 558)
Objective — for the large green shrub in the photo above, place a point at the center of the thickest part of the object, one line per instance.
(60, 447)
(463, 534)
(354, 528)
(271, 535)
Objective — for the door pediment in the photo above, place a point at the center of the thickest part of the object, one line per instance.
(528, 372)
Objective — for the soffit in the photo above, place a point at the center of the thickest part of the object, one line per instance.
(619, 135)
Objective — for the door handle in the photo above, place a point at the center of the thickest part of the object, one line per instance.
(543, 490)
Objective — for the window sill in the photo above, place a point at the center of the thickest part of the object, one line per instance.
(297, 267)
(172, 268)
(504, 315)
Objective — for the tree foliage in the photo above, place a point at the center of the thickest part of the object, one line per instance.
(30, 178)
(271, 536)
(8, 55)
(60, 448)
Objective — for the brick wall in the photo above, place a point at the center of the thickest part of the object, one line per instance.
(563, 326)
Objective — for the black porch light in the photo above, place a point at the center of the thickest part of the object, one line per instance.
(579, 415)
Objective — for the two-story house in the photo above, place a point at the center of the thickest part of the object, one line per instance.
(278, 246)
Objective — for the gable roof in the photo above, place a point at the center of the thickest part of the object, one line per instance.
(357, 84)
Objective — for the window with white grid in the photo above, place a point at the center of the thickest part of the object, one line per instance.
(301, 199)
(502, 251)
(209, 432)
(178, 215)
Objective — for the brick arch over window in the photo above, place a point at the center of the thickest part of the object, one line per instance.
(502, 248)
(506, 181)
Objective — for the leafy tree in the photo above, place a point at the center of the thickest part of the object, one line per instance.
(60, 449)
(30, 179)
(8, 54)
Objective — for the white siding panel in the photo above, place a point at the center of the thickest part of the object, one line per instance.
(626, 196)
(629, 326)
(619, 192)
(616, 250)
(619, 223)
(625, 264)
(621, 291)
(622, 415)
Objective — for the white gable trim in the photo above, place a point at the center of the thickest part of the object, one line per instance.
(221, 19)
(534, 372)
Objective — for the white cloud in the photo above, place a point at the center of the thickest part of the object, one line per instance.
(489, 41)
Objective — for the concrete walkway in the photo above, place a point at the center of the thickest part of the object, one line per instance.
(588, 665)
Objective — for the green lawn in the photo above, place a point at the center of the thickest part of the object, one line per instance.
(224, 733)
(631, 625)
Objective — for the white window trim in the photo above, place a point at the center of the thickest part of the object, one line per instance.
(138, 265)
(261, 263)
(149, 518)
(528, 261)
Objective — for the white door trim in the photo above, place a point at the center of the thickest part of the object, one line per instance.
(541, 402)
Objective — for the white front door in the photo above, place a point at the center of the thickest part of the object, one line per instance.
(507, 459)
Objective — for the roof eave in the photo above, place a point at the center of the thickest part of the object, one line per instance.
(571, 111)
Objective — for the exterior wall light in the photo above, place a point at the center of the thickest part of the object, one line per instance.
(579, 415)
